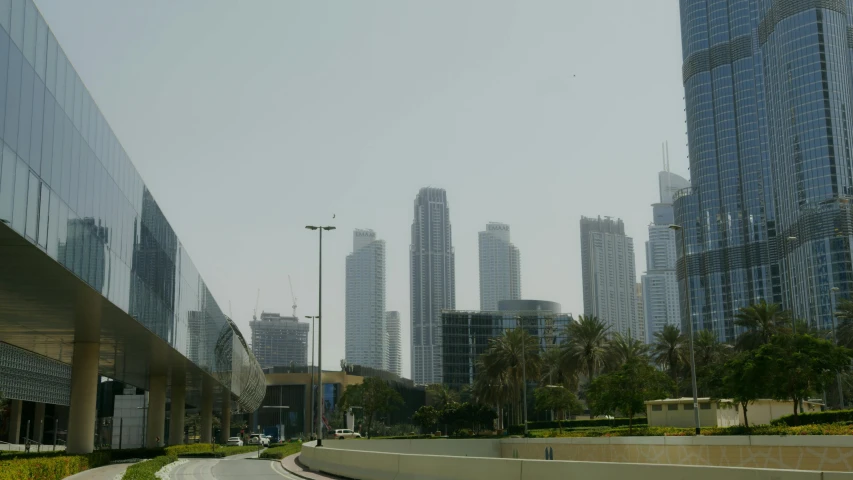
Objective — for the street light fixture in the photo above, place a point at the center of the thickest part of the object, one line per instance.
(313, 367)
(679, 228)
(320, 332)
(833, 292)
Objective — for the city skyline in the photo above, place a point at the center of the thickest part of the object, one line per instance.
(255, 133)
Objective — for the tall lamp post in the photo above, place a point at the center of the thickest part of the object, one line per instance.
(679, 228)
(313, 351)
(320, 332)
(833, 291)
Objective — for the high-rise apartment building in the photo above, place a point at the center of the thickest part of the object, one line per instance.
(395, 351)
(500, 267)
(279, 341)
(609, 278)
(767, 88)
(660, 284)
(366, 336)
(433, 282)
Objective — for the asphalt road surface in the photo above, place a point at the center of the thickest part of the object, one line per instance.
(232, 468)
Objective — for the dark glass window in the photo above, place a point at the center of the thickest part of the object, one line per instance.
(672, 406)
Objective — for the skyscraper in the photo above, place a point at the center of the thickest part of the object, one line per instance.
(500, 267)
(395, 351)
(609, 278)
(433, 283)
(660, 285)
(366, 342)
(767, 87)
(279, 341)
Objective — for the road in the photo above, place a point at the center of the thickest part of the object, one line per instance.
(231, 468)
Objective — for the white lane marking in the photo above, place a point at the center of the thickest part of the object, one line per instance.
(285, 475)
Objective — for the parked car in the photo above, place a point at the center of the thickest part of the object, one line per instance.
(255, 439)
(343, 433)
(234, 442)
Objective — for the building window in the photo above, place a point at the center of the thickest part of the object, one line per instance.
(704, 406)
(688, 406)
(657, 408)
(672, 406)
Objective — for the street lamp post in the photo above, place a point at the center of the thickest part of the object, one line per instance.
(833, 292)
(313, 351)
(320, 331)
(679, 228)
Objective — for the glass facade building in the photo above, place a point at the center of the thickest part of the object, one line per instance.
(69, 188)
(767, 88)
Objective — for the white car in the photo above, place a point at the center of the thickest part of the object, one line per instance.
(343, 433)
(255, 439)
(234, 442)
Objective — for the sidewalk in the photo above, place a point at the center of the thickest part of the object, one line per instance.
(292, 465)
(107, 472)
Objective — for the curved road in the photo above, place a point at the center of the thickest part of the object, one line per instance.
(231, 468)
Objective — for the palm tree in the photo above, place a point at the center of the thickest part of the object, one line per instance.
(624, 349)
(511, 356)
(440, 396)
(762, 321)
(670, 352)
(555, 371)
(710, 354)
(585, 352)
(492, 390)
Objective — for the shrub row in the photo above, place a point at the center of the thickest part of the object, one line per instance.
(596, 422)
(645, 431)
(52, 467)
(282, 451)
(146, 470)
(815, 418)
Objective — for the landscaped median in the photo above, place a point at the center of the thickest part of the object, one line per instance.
(277, 452)
(58, 465)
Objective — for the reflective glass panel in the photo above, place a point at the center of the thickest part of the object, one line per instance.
(26, 111)
(5, 14)
(7, 183)
(44, 209)
(13, 98)
(32, 206)
(22, 178)
(30, 30)
(17, 30)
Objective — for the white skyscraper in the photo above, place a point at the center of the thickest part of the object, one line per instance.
(609, 276)
(660, 285)
(395, 351)
(366, 338)
(500, 267)
(433, 283)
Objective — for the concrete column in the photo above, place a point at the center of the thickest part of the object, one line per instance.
(225, 417)
(179, 401)
(206, 427)
(15, 409)
(38, 423)
(84, 392)
(156, 428)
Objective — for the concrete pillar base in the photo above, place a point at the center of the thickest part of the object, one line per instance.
(38, 423)
(156, 428)
(15, 409)
(206, 424)
(84, 392)
(176, 422)
(225, 417)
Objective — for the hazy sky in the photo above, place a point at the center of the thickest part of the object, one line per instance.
(249, 120)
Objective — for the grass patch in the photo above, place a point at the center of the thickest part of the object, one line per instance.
(146, 470)
(196, 449)
(282, 451)
(49, 467)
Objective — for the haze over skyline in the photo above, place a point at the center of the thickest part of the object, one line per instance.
(249, 121)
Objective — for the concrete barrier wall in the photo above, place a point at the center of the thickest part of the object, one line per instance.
(822, 453)
(366, 465)
(447, 447)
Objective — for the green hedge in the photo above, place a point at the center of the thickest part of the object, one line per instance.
(644, 431)
(282, 451)
(815, 418)
(146, 470)
(200, 448)
(50, 467)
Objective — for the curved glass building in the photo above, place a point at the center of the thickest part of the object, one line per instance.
(92, 273)
(767, 90)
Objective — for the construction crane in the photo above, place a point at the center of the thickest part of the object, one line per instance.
(293, 297)
(257, 301)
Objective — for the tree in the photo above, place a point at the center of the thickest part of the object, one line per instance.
(844, 314)
(587, 346)
(373, 395)
(440, 396)
(555, 371)
(762, 322)
(669, 350)
(710, 355)
(554, 398)
(622, 350)
(509, 358)
(798, 365)
(492, 390)
(426, 417)
(626, 390)
(743, 380)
